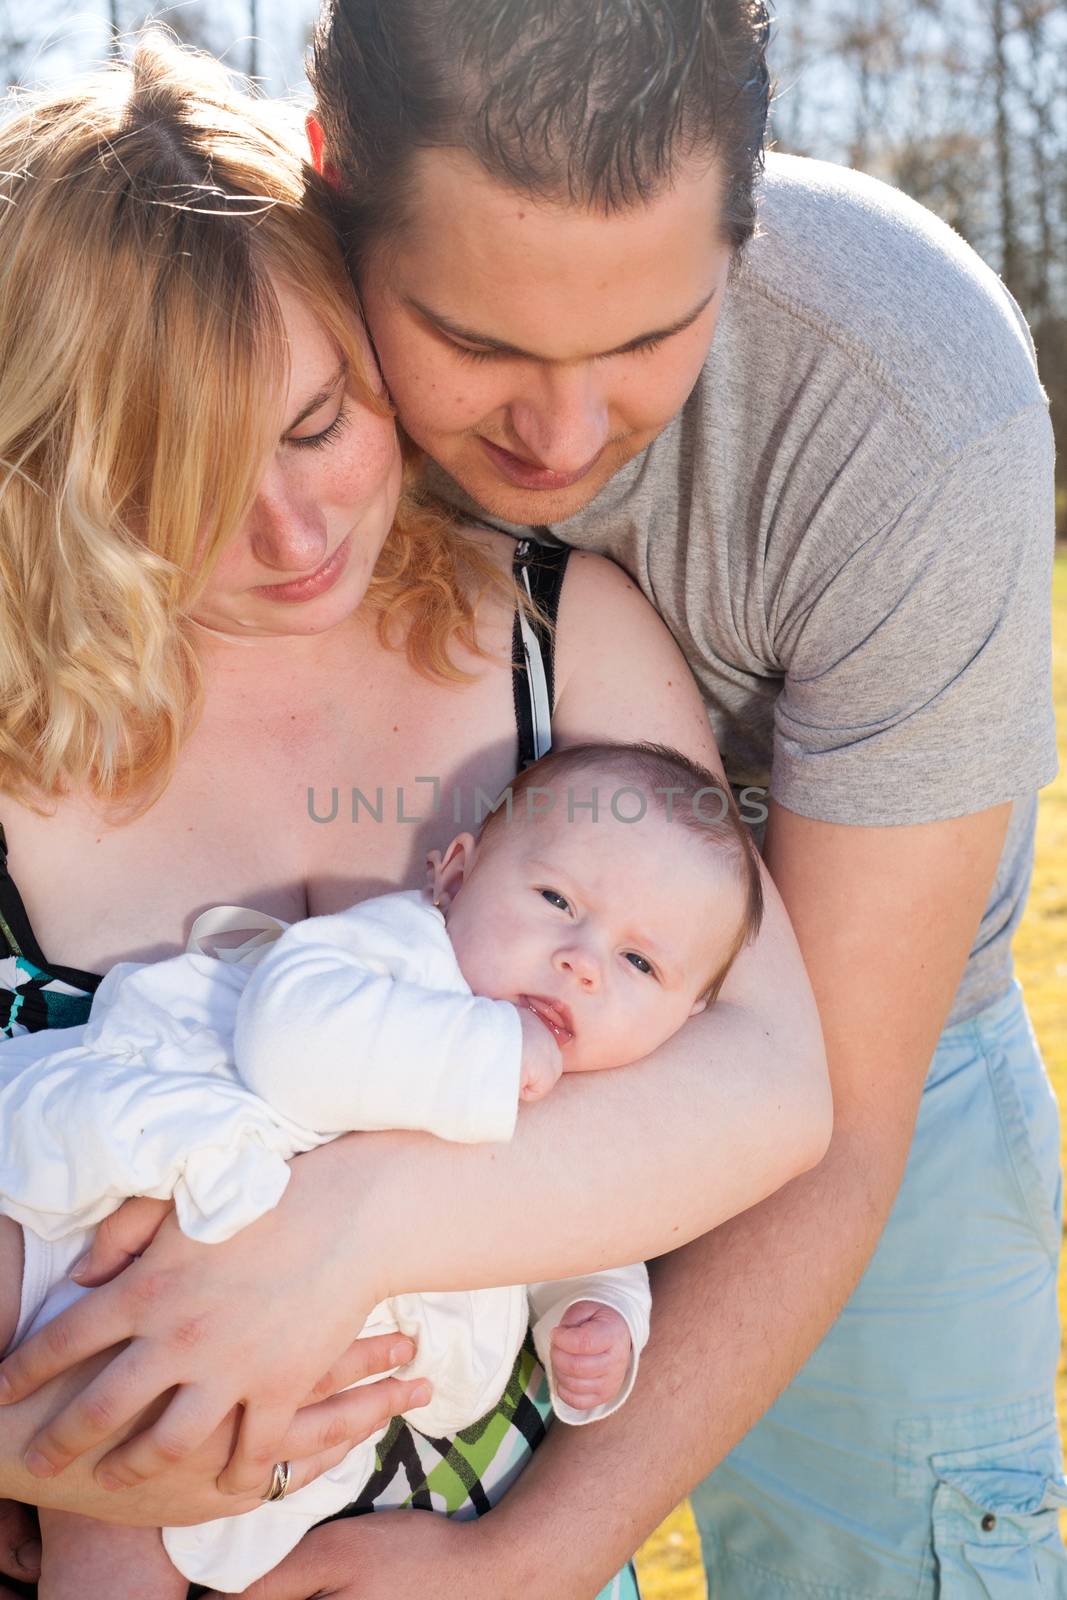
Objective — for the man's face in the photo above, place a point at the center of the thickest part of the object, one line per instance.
(532, 348)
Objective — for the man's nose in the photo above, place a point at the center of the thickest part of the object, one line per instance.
(580, 964)
(287, 530)
(562, 422)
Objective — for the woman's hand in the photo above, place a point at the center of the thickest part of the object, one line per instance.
(259, 1323)
(392, 1555)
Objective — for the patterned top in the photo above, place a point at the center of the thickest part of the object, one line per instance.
(35, 993)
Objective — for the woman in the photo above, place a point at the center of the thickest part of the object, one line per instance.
(213, 617)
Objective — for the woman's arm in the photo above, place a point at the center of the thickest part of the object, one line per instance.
(610, 1167)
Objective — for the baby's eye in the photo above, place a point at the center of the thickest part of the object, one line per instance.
(640, 962)
(555, 899)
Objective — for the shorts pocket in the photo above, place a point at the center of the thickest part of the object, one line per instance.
(1029, 1123)
(995, 1525)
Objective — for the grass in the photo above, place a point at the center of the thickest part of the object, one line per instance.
(669, 1564)
(1041, 942)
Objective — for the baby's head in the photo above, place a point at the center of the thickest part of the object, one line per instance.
(610, 892)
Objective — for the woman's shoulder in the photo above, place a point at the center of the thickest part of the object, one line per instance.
(602, 581)
(602, 612)
(500, 547)
(620, 674)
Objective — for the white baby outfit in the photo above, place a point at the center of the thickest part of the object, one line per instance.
(199, 1077)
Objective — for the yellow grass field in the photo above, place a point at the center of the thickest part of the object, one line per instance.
(669, 1564)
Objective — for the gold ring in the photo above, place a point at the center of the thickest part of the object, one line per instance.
(279, 1480)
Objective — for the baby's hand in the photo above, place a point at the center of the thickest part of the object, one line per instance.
(542, 1062)
(591, 1348)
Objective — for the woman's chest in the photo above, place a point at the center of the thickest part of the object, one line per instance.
(295, 804)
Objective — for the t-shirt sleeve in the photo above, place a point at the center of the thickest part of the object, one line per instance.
(918, 673)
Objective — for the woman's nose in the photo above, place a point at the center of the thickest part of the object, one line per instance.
(580, 964)
(287, 530)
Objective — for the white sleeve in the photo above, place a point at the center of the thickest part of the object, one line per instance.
(362, 1021)
(142, 1100)
(626, 1290)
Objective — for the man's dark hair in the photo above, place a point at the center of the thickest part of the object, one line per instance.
(587, 101)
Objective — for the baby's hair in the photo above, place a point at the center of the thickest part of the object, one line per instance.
(682, 791)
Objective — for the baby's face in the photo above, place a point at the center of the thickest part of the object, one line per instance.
(608, 931)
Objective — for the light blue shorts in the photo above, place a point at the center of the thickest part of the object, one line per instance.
(916, 1454)
(622, 1587)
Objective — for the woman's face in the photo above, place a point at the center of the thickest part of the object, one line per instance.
(304, 558)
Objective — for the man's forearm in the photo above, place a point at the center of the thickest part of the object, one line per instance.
(735, 1314)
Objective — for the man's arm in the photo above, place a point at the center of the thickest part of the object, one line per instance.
(885, 918)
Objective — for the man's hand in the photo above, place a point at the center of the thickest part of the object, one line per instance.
(392, 1555)
(120, 1239)
(591, 1349)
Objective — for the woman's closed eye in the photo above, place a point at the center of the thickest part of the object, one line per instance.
(325, 436)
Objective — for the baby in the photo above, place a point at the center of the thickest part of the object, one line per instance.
(600, 907)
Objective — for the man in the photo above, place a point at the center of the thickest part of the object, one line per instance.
(813, 433)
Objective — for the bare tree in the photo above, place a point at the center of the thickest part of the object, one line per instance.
(963, 104)
(1010, 253)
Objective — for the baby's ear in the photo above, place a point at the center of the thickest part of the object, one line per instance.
(698, 1007)
(447, 872)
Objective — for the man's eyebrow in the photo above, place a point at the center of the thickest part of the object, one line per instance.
(455, 330)
(325, 393)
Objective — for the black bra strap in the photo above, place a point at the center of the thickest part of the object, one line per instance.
(17, 935)
(539, 569)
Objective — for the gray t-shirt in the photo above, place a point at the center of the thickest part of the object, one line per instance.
(848, 528)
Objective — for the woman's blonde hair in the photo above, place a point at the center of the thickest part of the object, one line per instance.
(143, 214)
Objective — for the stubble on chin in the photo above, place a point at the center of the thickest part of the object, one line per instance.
(534, 507)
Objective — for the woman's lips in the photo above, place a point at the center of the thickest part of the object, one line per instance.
(555, 1016)
(527, 474)
(315, 583)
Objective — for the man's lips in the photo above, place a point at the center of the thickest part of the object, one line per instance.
(553, 1013)
(527, 474)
